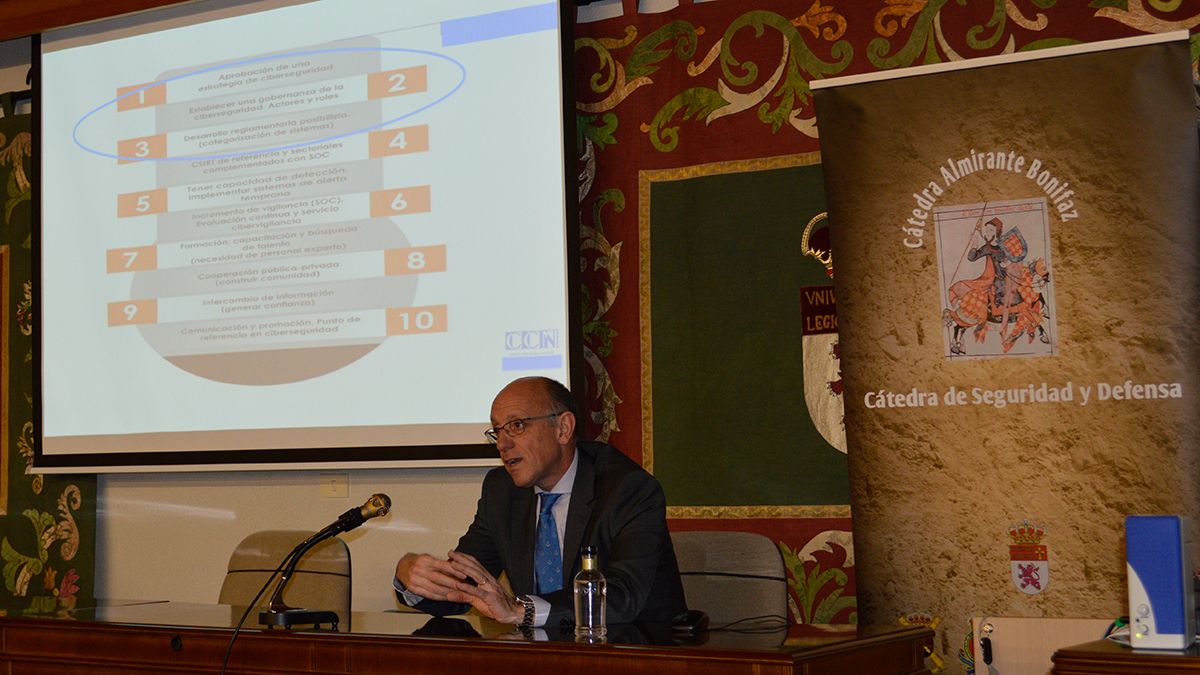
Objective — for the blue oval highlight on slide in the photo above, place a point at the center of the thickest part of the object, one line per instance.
(262, 151)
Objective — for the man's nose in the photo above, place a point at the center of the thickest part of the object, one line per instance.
(503, 441)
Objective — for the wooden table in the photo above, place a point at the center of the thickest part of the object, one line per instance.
(1108, 657)
(185, 638)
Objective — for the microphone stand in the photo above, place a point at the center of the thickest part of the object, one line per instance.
(278, 612)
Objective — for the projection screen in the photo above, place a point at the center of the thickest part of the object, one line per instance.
(293, 234)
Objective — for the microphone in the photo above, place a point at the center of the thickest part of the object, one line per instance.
(377, 505)
(278, 613)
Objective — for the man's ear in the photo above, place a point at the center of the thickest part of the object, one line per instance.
(566, 427)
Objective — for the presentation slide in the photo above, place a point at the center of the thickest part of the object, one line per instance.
(335, 224)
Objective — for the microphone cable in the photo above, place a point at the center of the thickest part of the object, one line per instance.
(238, 628)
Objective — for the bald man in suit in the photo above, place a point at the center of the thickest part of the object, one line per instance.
(606, 501)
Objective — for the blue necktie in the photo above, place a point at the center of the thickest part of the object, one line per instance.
(547, 558)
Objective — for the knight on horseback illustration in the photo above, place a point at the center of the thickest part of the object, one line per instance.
(1006, 292)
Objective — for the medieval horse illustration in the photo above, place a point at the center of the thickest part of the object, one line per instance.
(1009, 294)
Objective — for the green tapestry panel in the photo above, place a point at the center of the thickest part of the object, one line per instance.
(726, 272)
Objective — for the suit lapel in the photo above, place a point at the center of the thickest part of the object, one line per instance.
(523, 535)
(583, 494)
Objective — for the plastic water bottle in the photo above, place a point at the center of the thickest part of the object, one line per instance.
(591, 599)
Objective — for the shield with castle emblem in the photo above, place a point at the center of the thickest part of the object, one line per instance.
(1029, 560)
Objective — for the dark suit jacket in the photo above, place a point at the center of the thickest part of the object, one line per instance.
(616, 506)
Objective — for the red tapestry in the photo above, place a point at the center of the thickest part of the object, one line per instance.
(681, 86)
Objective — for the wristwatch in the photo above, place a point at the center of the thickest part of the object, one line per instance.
(530, 610)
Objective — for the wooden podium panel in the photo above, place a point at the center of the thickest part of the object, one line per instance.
(181, 638)
(1105, 657)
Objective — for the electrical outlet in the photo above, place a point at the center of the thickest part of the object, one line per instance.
(335, 486)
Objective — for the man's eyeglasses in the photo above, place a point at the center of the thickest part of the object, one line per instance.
(515, 427)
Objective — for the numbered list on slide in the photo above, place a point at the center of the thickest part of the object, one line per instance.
(261, 225)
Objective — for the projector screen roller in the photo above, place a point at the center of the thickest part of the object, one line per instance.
(320, 232)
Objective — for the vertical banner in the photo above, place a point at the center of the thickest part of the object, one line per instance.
(1016, 240)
